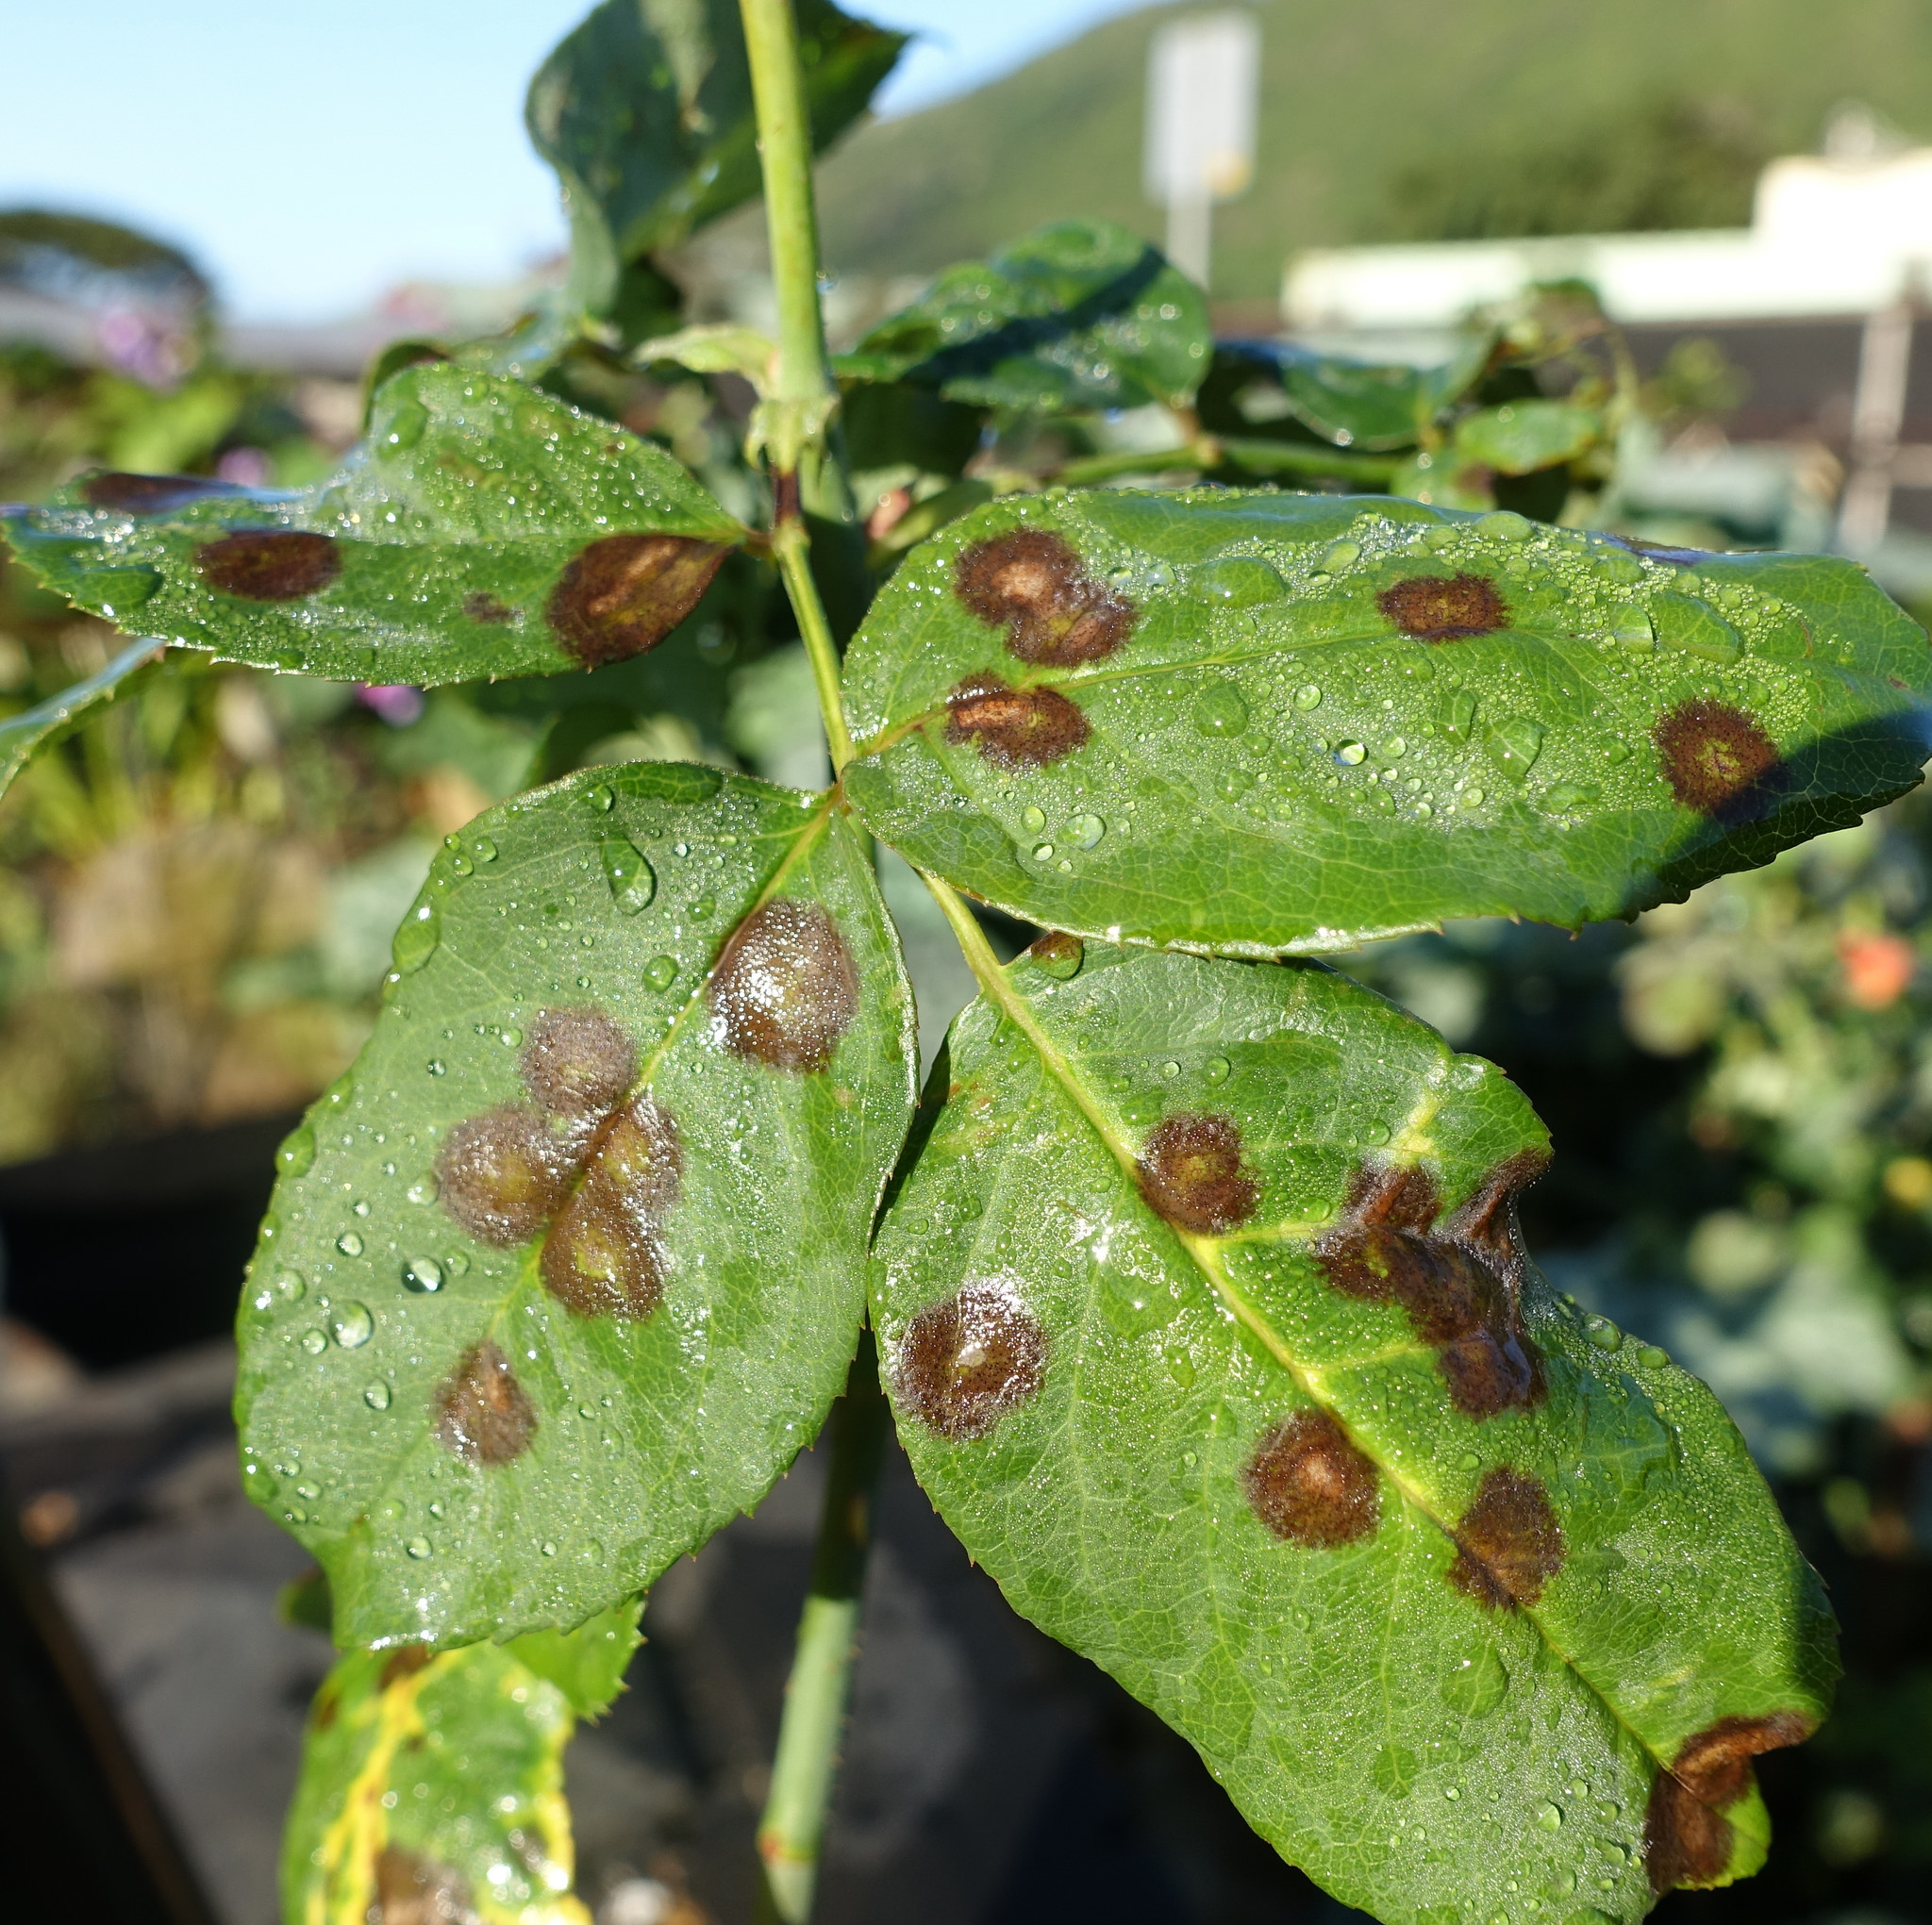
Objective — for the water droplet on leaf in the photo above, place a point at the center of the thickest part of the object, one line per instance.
(352, 1326)
(377, 1395)
(1221, 710)
(297, 1150)
(632, 880)
(601, 797)
(661, 972)
(349, 1243)
(1307, 697)
(417, 1546)
(416, 941)
(314, 1342)
(422, 1275)
(1350, 753)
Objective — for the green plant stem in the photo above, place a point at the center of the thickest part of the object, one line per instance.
(792, 548)
(820, 1688)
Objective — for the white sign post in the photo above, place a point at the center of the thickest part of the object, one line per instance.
(1203, 79)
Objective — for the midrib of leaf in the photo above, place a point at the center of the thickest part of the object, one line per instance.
(999, 990)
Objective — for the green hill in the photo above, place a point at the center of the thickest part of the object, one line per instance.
(1388, 119)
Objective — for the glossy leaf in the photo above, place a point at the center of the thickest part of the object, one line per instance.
(432, 1784)
(1522, 435)
(1077, 315)
(1267, 723)
(1373, 405)
(645, 112)
(24, 735)
(1209, 1333)
(570, 1265)
(721, 349)
(483, 529)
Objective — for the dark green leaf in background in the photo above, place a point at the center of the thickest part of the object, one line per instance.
(483, 529)
(1077, 315)
(432, 1782)
(645, 112)
(1522, 435)
(1208, 1332)
(1261, 724)
(1373, 405)
(569, 1266)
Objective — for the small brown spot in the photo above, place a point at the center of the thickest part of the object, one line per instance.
(1031, 584)
(482, 608)
(577, 1061)
(1718, 760)
(785, 990)
(328, 1704)
(271, 564)
(1445, 607)
(624, 593)
(1508, 1544)
(964, 1363)
(1190, 1174)
(503, 1173)
(419, 1891)
(1057, 952)
(1459, 1283)
(604, 1256)
(404, 1663)
(1687, 1839)
(1015, 728)
(1309, 1484)
(151, 494)
(482, 1414)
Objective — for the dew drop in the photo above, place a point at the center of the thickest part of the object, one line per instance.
(1394, 749)
(1504, 526)
(423, 1275)
(349, 1243)
(1341, 554)
(1603, 1333)
(438, 1067)
(1631, 628)
(1514, 743)
(415, 942)
(1308, 697)
(1216, 1069)
(549, 1550)
(1650, 1355)
(290, 1286)
(417, 1546)
(458, 1265)
(704, 907)
(661, 972)
(314, 1342)
(423, 1190)
(1220, 710)
(460, 864)
(1169, 1069)
(1350, 753)
(1180, 1366)
(377, 1395)
(1549, 1818)
(484, 849)
(1472, 799)
(633, 882)
(601, 797)
(1034, 817)
(1043, 852)
(1085, 831)
(297, 1150)
(352, 1326)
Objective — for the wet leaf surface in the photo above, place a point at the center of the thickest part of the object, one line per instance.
(562, 1273)
(482, 529)
(1267, 723)
(1208, 1332)
(432, 1784)
(1077, 315)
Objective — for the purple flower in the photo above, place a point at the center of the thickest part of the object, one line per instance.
(396, 703)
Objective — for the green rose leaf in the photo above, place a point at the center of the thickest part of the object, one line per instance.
(432, 1782)
(645, 112)
(24, 735)
(1208, 1330)
(1269, 723)
(1076, 316)
(1522, 435)
(565, 1270)
(483, 529)
(1374, 405)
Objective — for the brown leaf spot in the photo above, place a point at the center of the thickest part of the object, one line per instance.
(1687, 1839)
(503, 1173)
(271, 564)
(482, 608)
(964, 1363)
(1057, 951)
(1718, 760)
(1031, 584)
(785, 990)
(419, 1891)
(1309, 1484)
(404, 1663)
(577, 1062)
(624, 593)
(1445, 607)
(1459, 1283)
(1508, 1544)
(1190, 1174)
(1015, 728)
(151, 494)
(604, 1256)
(482, 1414)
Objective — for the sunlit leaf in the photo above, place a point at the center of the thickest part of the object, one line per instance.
(483, 529)
(1262, 724)
(568, 1265)
(1373, 403)
(1077, 315)
(1522, 435)
(1208, 1330)
(432, 1784)
(24, 735)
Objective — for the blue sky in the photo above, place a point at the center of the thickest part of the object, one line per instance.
(310, 155)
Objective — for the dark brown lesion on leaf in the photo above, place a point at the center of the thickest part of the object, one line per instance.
(1687, 1839)
(605, 1255)
(270, 564)
(1190, 1174)
(964, 1363)
(480, 607)
(1031, 583)
(624, 593)
(483, 1414)
(153, 494)
(785, 990)
(1509, 1544)
(1719, 761)
(405, 1661)
(503, 1174)
(1445, 607)
(1310, 1485)
(1459, 1281)
(1015, 728)
(577, 1061)
(413, 1890)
